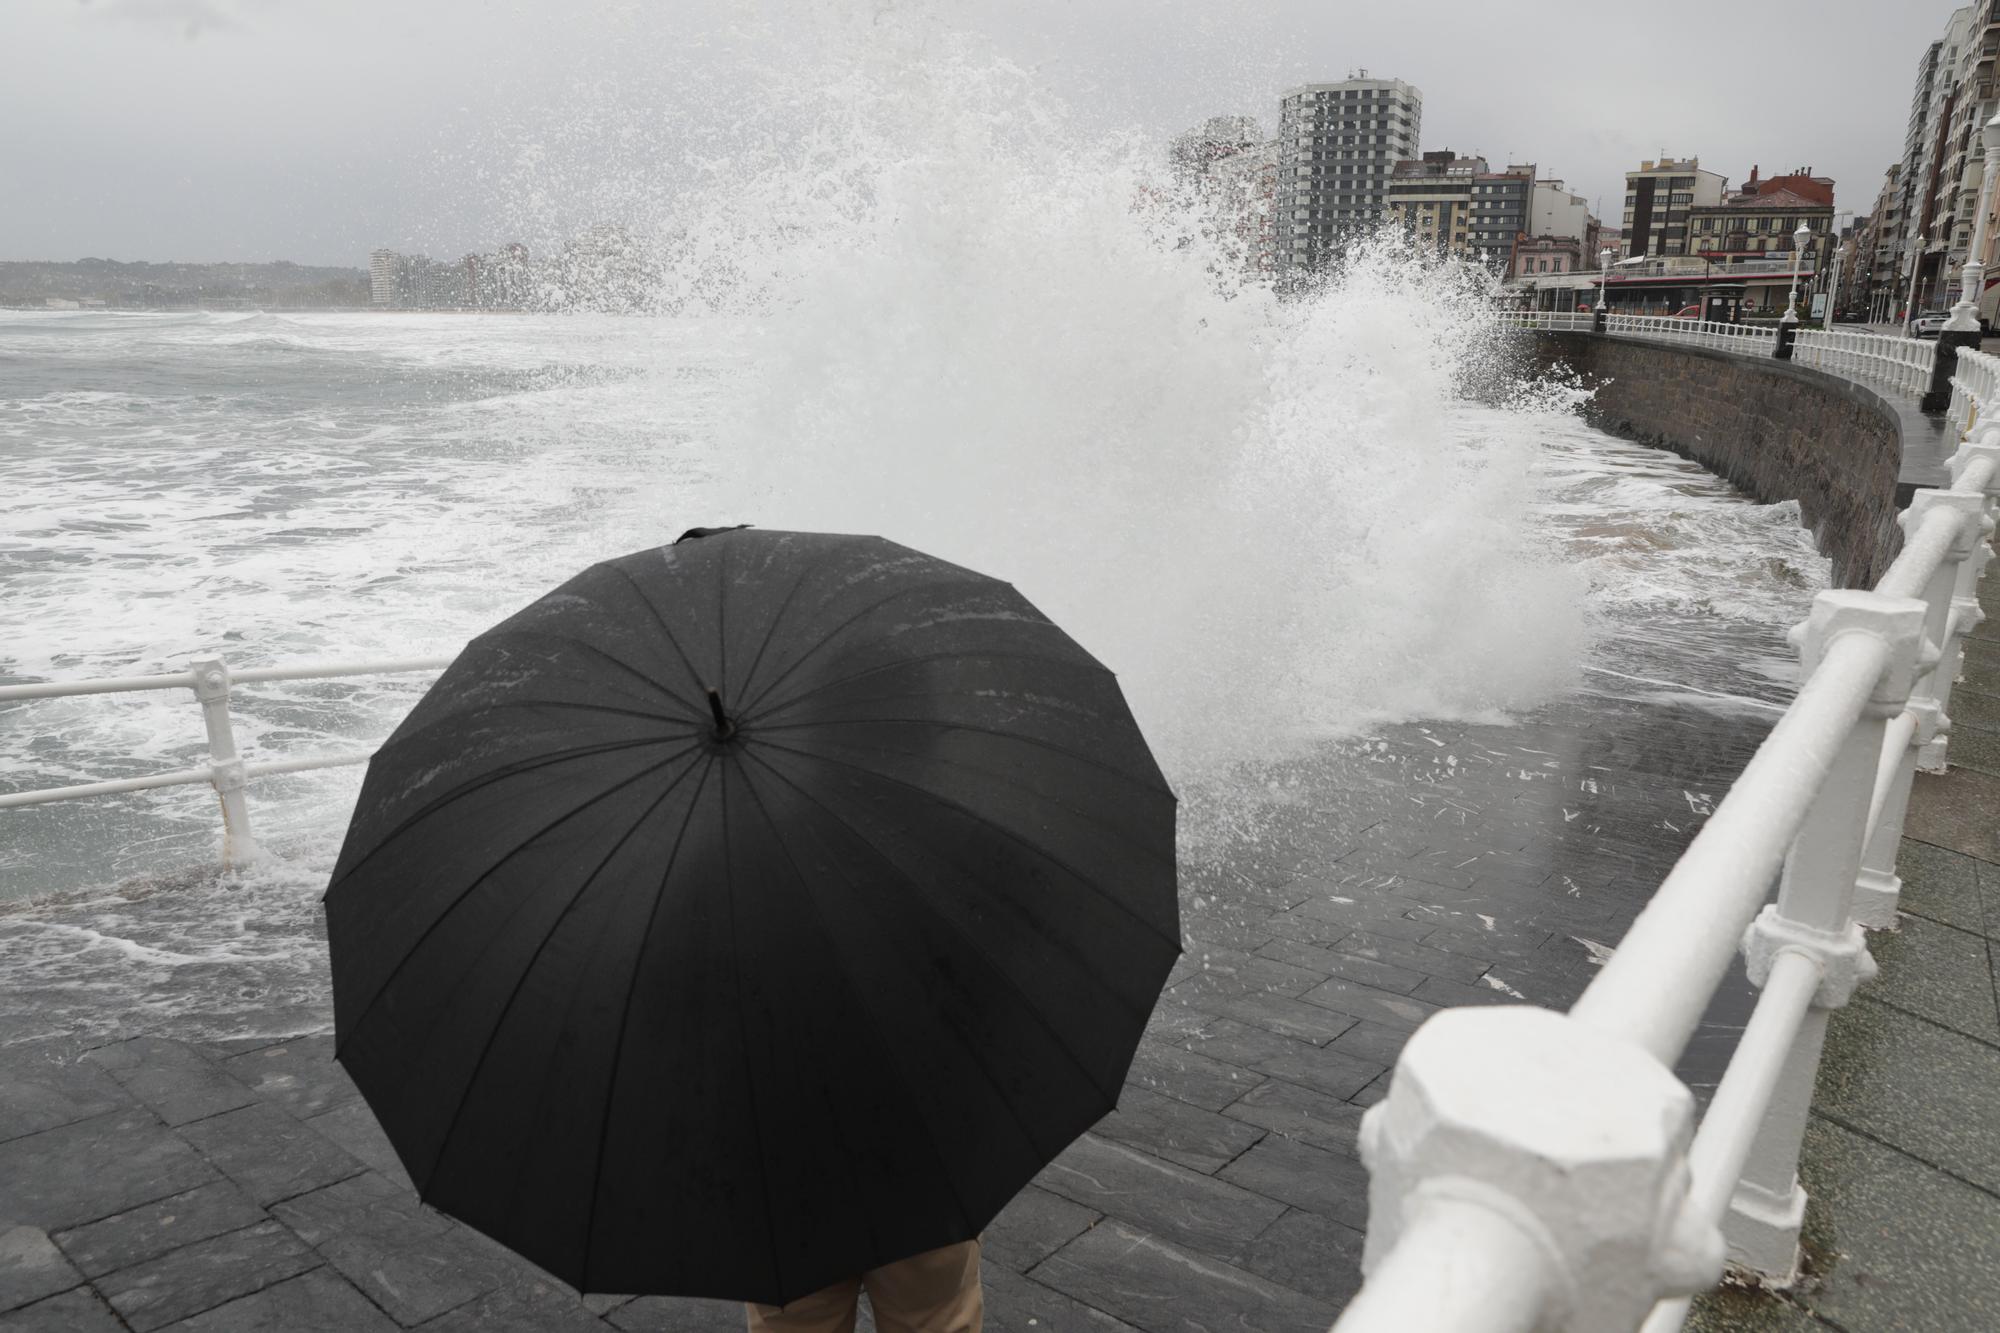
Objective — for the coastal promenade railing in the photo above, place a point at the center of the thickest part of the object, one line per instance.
(1885, 360)
(1540, 1170)
(210, 679)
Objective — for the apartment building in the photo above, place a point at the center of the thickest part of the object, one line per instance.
(1659, 198)
(1338, 144)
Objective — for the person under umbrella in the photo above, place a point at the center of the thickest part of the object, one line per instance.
(750, 914)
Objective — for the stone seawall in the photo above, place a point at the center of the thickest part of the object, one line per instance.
(1777, 431)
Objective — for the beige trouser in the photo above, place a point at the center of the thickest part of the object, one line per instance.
(934, 1292)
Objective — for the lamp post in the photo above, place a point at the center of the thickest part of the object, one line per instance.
(1599, 324)
(1920, 242)
(1962, 329)
(1965, 315)
(1800, 240)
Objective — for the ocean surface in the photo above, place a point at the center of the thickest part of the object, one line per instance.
(1323, 513)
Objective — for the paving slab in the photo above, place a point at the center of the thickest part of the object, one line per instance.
(1916, 1086)
(203, 1275)
(1955, 811)
(1308, 1253)
(176, 1081)
(354, 1128)
(1018, 1303)
(535, 1308)
(1203, 1213)
(1941, 973)
(1906, 1249)
(1204, 1141)
(313, 1302)
(299, 1075)
(409, 1260)
(32, 1268)
(1199, 1080)
(1301, 1113)
(153, 1229)
(1152, 1283)
(1940, 885)
(269, 1154)
(1335, 1072)
(1033, 1226)
(44, 1086)
(80, 1172)
(1331, 1184)
(79, 1311)
(659, 1314)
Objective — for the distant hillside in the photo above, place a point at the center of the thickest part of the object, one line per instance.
(140, 284)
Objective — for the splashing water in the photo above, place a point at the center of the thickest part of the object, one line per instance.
(995, 339)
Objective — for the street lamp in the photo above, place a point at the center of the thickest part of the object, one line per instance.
(1965, 315)
(1800, 240)
(1604, 283)
(1920, 241)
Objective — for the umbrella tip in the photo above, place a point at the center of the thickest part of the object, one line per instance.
(724, 728)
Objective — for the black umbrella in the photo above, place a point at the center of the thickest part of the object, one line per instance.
(751, 912)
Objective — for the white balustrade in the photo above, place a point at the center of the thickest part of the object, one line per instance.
(1901, 365)
(227, 771)
(1533, 1170)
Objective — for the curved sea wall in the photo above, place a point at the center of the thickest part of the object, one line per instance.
(1777, 431)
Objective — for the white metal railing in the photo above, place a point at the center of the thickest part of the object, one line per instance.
(1902, 365)
(1536, 1170)
(1887, 359)
(226, 770)
(1753, 339)
(1564, 321)
(1975, 382)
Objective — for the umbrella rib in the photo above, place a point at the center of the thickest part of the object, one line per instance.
(771, 630)
(642, 677)
(504, 704)
(836, 631)
(970, 813)
(466, 892)
(1050, 746)
(972, 655)
(512, 770)
(840, 970)
(743, 1044)
(700, 686)
(625, 1017)
(1012, 985)
(521, 981)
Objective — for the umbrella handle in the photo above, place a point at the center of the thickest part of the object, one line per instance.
(724, 728)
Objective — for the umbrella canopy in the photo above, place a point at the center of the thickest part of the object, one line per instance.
(750, 912)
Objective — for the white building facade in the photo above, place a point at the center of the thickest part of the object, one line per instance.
(1337, 145)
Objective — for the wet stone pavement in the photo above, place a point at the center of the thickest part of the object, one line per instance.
(156, 1184)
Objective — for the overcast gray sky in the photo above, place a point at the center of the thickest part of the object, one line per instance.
(315, 130)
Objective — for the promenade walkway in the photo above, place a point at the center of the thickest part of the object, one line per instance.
(153, 1184)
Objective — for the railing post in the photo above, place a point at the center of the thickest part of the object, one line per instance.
(1567, 1141)
(1787, 333)
(1879, 888)
(1965, 614)
(1814, 916)
(211, 687)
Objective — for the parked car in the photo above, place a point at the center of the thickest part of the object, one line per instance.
(1851, 317)
(1928, 326)
(1688, 312)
